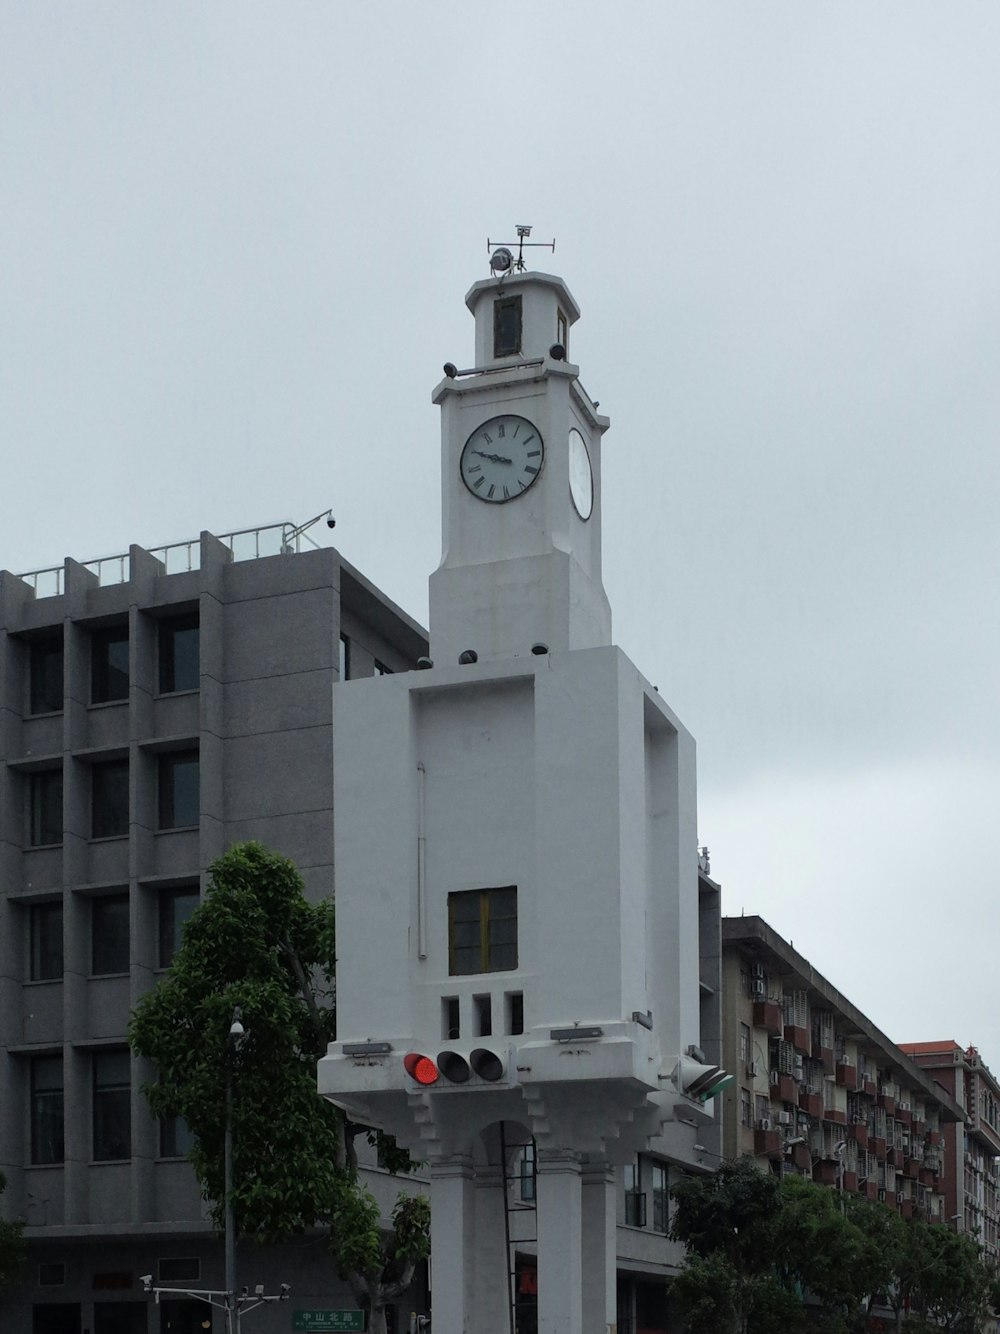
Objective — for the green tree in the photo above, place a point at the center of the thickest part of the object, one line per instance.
(257, 943)
(951, 1282)
(11, 1247)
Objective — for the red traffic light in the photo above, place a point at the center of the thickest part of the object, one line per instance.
(420, 1067)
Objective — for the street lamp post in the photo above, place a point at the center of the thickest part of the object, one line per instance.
(237, 1033)
(229, 1301)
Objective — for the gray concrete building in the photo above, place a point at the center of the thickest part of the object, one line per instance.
(155, 708)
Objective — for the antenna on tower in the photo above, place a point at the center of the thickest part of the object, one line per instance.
(502, 259)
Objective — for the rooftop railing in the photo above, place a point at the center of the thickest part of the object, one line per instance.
(273, 539)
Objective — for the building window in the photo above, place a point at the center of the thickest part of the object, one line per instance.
(47, 1109)
(482, 930)
(46, 926)
(507, 326)
(745, 1043)
(121, 1317)
(45, 790)
(55, 1318)
(109, 799)
(179, 654)
(345, 658)
(45, 670)
(661, 1196)
(528, 1173)
(109, 935)
(112, 1106)
(109, 664)
(635, 1199)
(562, 329)
(179, 789)
(175, 1137)
(175, 907)
(746, 1108)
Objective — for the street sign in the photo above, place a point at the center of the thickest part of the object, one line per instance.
(328, 1322)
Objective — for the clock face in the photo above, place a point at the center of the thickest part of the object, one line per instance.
(581, 476)
(501, 459)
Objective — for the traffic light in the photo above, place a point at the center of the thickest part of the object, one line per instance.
(481, 1065)
(696, 1080)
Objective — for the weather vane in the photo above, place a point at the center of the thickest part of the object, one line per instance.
(502, 259)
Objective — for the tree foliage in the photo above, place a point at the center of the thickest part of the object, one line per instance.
(257, 943)
(12, 1252)
(764, 1252)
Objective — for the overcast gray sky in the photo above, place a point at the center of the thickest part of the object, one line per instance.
(235, 240)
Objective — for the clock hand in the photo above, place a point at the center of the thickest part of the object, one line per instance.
(491, 458)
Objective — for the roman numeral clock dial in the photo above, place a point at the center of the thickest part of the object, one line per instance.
(501, 459)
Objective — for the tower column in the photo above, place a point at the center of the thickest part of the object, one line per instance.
(453, 1244)
(491, 1259)
(560, 1253)
(599, 1245)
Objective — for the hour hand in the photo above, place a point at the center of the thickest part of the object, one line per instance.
(491, 458)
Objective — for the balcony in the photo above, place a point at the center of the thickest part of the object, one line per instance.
(767, 1142)
(877, 1144)
(850, 1180)
(825, 1172)
(869, 1087)
(767, 1015)
(847, 1076)
(801, 1157)
(859, 1133)
(836, 1115)
(811, 1102)
(825, 1057)
(784, 1089)
(799, 1038)
(887, 1101)
(905, 1115)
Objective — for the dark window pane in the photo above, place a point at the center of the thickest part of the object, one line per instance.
(109, 935)
(46, 942)
(176, 906)
(175, 1137)
(482, 930)
(179, 660)
(109, 793)
(46, 790)
(112, 1106)
(47, 1109)
(179, 790)
(185, 1316)
(109, 664)
(46, 673)
(120, 1317)
(345, 658)
(507, 326)
(55, 1318)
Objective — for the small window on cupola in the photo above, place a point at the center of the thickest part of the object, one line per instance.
(507, 326)
(562, 330)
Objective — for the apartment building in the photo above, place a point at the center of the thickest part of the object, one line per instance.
(155, 708)
(819, 1090)
(972, 1147)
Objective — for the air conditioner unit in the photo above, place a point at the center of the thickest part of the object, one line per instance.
(775, 1077)
(758, 987)
(798, 1061)
(784, 1118)
(764, 1123)
(752, 1069)
(757, 970)
(900, 1197)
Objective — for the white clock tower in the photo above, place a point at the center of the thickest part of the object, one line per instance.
(516, 854)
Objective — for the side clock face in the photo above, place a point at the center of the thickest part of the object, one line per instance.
(501, 459)
(581, 476)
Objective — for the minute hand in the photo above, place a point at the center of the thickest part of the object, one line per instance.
(491, 458)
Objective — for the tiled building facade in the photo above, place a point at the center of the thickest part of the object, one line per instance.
(972, 1149)
(148, 720)
(818, 1089)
